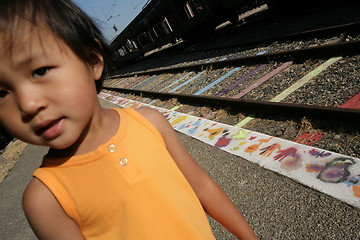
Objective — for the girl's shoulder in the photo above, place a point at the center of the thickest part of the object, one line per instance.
(157, 119)
(45, 215)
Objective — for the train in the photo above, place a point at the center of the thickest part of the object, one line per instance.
(167, 22)
(163, 22)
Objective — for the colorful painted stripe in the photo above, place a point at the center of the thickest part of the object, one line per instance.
(170, 78)
(137, 81)
(304, 80)
(153, 101)
(146, 82)
(220, 79)
(163, 77)
(262, 80)
(184, 83)
(295, 86)
(353, 102)
(175, 82)
(241, 80)
(217, 81)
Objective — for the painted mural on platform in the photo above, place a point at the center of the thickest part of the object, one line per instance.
(329, 172)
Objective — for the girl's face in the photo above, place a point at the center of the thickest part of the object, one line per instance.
(47, 94)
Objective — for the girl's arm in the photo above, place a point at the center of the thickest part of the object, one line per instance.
(45, 215)
(213, 199)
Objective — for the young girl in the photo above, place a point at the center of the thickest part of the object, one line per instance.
(109, 173)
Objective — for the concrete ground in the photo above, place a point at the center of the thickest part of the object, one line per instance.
(276, 207)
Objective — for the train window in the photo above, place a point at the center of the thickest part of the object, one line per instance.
(167, 25)
(155, 34)
(122, 51)
(192, 8)
(196, 5)
(131, 45)
(134, 44)
(171, 18)
(188, 10)
(160, 30)
(144, 38)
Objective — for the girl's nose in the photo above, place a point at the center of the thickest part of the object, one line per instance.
(30, 101)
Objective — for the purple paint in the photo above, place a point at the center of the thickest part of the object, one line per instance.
(232, 86)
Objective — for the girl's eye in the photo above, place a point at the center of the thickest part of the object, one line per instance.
(40, 72)
(3, 94)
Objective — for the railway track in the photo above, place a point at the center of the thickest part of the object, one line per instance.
(291, 93)
(291, 26)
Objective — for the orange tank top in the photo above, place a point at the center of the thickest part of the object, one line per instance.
(128, 188)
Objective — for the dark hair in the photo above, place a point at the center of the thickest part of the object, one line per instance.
(67, 22)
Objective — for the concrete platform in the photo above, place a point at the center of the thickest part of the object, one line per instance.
(276, 207)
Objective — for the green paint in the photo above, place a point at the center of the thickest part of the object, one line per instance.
(175, 108)
(244, 122)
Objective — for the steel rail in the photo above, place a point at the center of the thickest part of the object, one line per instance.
(350, 28)
(252, 106)
(316, 52)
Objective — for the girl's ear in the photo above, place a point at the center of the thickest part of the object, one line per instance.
(98, 67)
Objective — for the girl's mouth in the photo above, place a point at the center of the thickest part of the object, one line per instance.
(51, 129)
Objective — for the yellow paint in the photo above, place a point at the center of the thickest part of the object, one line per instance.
(180, 119)
(304, 80)
(295, 86)
(213, 132)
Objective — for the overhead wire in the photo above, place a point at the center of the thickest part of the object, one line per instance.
(114, 11)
